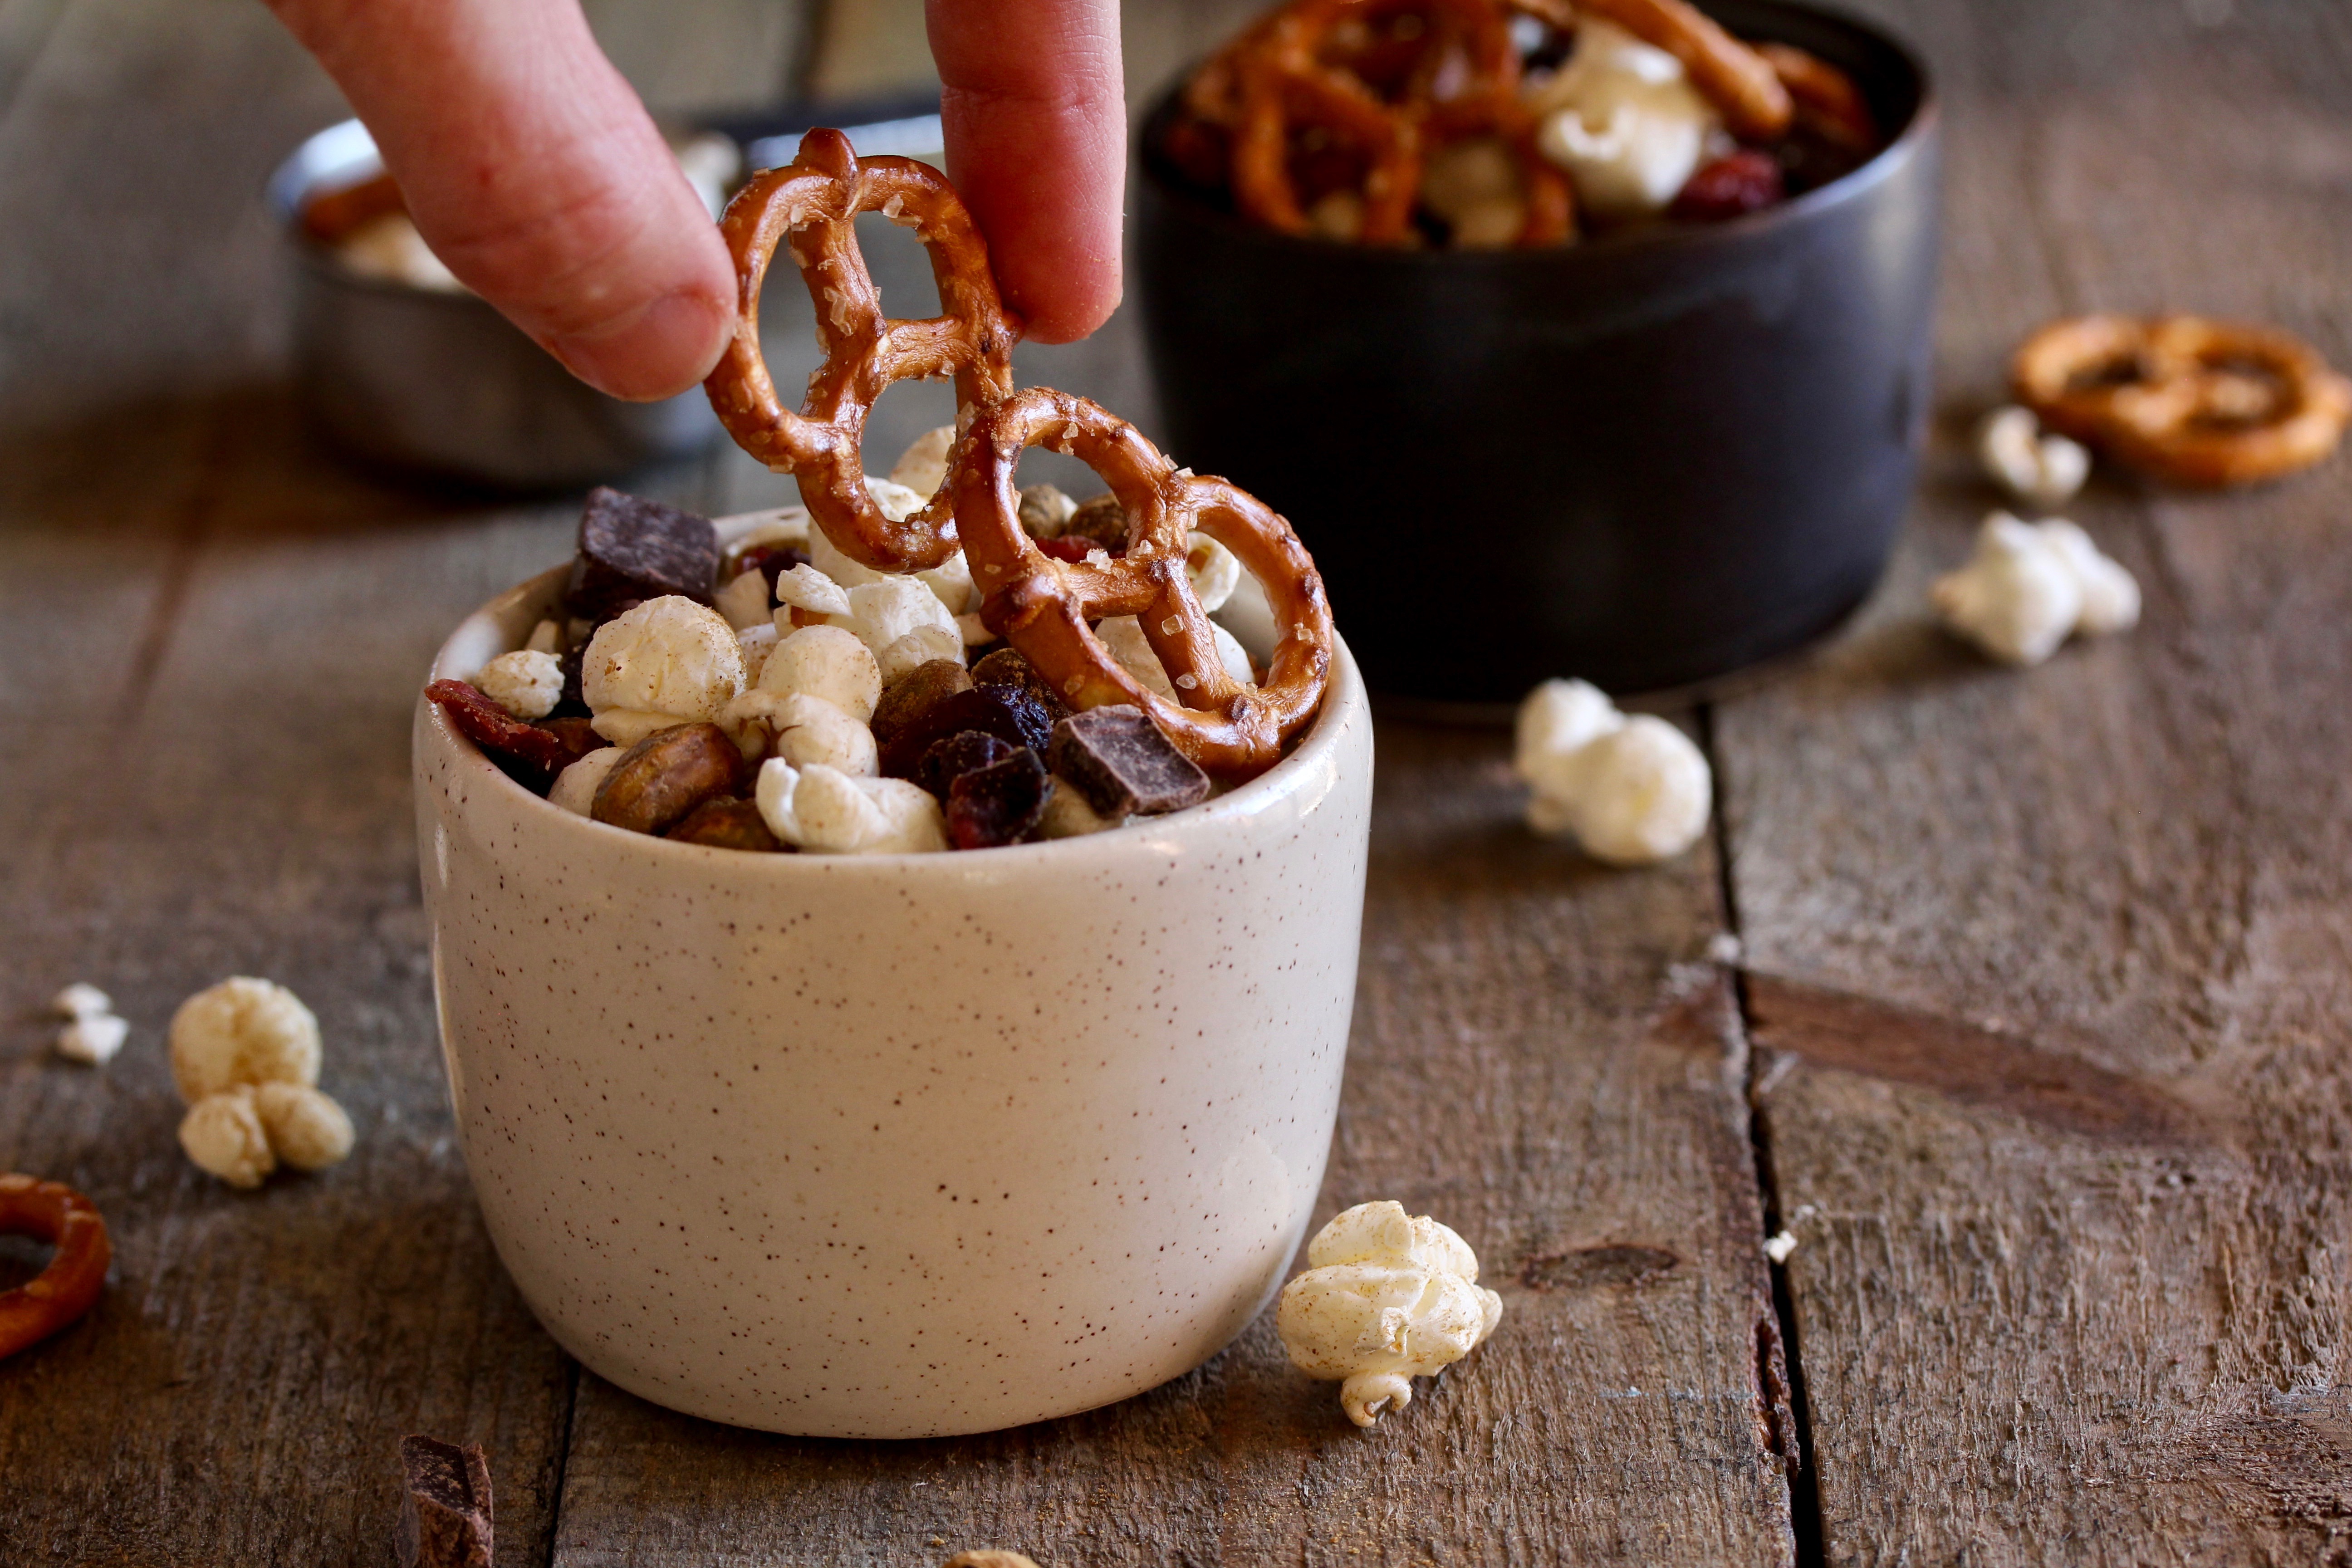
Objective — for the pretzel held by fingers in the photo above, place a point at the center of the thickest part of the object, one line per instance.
(2192, 401)
(1043, 606)
(809, 206)
(68, 1288)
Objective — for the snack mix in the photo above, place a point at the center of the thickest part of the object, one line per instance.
(938, 660)
(1386, 1298)
(1482, 124)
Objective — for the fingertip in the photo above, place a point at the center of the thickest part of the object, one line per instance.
(660, 350)
(1069, 303)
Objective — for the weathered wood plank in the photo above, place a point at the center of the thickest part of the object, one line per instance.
(1537, 1059)
(2050, 994)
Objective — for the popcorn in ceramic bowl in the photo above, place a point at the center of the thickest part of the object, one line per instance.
(526, 683)
(667, 659)
(1387, 1297)
(828, 662)
(823, 809)
(922, 467)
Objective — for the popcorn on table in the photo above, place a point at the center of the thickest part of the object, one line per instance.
(1631, 790)
(1387, 1297)
(92, 1034)
(2030, 586)
(245, 1057)
(2044, 471)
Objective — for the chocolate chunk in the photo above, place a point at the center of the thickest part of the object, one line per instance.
(1740, 181)
(445, 1511)
(1006, 666)
(666, 775)
(1000, 804)
(967, 751)
(912, 696)
(1120, 761)
(1100, 521)
(770, 560)
(725, 823)
(632, 550)
(1006, 712)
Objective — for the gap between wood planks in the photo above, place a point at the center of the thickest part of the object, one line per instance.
(1780, 1389)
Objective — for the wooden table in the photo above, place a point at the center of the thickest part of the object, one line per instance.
(2034, 1041)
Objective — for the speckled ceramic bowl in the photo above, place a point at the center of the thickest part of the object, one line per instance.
(894, 1146)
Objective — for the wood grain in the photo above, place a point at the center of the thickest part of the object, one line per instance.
(1540, 1060)
(2052, 1081)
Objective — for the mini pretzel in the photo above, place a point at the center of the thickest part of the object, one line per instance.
(2191, 401)
(1826, 94)
(67, 1289)
(822, 192)
(1043, 606)
(1739, 81)
(1278, 76)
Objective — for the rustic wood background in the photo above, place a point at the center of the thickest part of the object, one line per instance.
(2037, 1044)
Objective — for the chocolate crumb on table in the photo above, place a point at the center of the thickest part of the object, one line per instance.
(445, 1511)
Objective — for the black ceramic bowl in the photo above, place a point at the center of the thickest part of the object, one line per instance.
(1647, 460)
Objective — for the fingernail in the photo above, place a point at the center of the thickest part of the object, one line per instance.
(664, 347)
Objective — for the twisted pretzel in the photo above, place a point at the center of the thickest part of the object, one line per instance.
(1287, 72)
(67, 1289)
(822, 192)
(1042, 606)
(1739, 81)
(2191, 401)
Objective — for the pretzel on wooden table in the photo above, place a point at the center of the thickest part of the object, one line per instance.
(819, 194)
(1043, 606)
(2195, 402)
(61, 1293)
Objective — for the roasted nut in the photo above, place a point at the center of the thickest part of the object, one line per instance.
(1100, 520)
(725, 824)
(910, 697)
(1044, 511)
(1116, 757)
(1006, 712)
(666, 775)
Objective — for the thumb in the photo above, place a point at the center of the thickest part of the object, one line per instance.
(539, 179)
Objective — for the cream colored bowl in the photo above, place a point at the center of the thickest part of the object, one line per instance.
(894, 1146)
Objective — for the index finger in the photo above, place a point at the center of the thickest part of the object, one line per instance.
(1035, 118)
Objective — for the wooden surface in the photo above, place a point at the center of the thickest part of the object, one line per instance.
(2043, 1009)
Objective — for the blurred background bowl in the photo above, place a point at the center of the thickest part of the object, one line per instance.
(1648, 459)
(433, 380)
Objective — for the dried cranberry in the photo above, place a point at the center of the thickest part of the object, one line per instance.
(1745, 181)
(502, 736)
(772, 561)
(1099, 523)
(914, 694)
(1068, 548)
(1008, 667)
(1001, 804)
(1011, 716)
(965, 752)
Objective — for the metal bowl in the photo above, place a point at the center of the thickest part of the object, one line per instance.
(438, 382)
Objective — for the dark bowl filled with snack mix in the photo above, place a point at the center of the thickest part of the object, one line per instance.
(1620, 370)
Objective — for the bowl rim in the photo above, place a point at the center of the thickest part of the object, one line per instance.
(1344, 698)
(1925, 122)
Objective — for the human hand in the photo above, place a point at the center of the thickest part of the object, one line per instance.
(538, 177)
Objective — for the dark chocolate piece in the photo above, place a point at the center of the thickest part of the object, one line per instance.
(632, 550)
(1000, 804)
(667, 774)
(445, 1510)
(910, 696)
(770, 560)
(1119, 760)
(1007, 667)
(1006, 712)
(1101, 522)
(967, 751)
(726, 823)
